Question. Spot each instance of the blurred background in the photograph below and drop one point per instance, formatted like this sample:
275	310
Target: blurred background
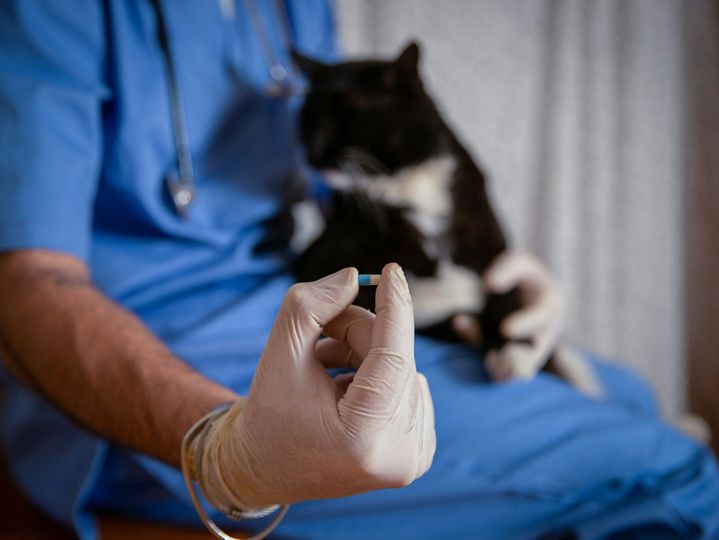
598	124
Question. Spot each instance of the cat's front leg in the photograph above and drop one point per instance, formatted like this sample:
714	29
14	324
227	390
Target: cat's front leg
506	358
512	351
477	241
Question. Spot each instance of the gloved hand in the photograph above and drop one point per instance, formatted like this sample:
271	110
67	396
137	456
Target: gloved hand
541	318
301	434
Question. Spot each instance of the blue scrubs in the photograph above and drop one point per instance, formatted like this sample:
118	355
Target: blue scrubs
85	142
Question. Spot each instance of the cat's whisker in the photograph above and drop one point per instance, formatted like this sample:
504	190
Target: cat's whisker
365	160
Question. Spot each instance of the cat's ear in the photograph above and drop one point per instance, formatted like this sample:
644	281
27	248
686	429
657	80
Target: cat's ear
308	66
408	60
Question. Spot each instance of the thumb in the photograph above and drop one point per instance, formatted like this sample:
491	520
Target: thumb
306	309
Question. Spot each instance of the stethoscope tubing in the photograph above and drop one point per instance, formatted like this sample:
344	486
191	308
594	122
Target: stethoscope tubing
182	185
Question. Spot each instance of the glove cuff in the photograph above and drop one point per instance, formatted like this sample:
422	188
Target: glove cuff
200	465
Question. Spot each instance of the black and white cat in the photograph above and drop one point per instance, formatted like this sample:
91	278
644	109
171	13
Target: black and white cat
404	189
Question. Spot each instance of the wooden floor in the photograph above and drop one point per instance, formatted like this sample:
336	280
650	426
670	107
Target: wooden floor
20	521
117	529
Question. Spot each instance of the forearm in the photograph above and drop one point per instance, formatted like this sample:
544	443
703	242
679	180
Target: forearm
95	360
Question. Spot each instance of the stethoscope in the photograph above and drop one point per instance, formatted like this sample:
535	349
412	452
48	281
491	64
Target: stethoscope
285	83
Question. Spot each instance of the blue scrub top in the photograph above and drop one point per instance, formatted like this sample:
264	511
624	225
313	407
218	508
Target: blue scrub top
85	144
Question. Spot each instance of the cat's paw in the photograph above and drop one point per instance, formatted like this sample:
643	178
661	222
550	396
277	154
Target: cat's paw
513	361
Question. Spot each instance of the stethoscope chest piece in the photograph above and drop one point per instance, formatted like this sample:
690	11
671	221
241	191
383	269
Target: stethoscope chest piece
182	194
180	185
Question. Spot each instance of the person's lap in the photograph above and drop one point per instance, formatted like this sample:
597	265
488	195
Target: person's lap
523	459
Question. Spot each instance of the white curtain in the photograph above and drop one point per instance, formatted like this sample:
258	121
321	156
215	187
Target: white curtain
575	108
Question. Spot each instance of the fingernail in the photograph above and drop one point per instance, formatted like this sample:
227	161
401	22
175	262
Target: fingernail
393	268
346	275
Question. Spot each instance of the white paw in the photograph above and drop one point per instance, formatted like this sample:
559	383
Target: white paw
513	361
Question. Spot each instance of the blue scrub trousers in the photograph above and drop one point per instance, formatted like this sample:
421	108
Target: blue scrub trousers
520	460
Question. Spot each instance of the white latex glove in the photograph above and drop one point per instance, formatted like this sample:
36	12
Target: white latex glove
303	435
540	319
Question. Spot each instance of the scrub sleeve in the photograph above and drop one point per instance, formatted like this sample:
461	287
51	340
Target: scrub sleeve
51	96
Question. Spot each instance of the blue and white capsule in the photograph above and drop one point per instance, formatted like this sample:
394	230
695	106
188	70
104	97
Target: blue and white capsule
366	280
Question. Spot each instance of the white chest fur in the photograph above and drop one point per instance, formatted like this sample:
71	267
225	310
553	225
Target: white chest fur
455	289
425	191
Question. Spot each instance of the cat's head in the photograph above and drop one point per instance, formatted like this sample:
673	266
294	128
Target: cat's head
373	115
